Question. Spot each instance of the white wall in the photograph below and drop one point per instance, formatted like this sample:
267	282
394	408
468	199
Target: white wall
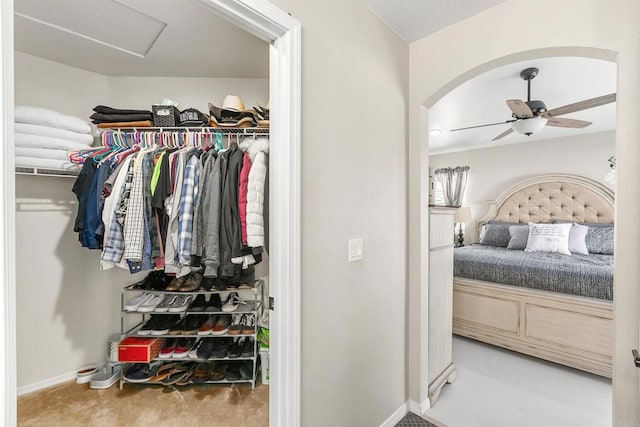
493	170
451	56
66	306
354	88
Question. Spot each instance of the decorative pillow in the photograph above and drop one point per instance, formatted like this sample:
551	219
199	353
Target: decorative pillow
549	238
578	239
519	236
497	234
599	240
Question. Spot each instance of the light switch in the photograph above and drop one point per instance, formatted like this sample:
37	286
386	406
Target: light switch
355	250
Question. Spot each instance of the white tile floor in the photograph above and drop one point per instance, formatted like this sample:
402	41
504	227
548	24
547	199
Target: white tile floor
501	388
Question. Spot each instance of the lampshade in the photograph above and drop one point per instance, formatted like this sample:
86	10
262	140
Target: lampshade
463	215
529	126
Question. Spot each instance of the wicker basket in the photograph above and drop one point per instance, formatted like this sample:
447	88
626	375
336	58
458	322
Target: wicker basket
165	115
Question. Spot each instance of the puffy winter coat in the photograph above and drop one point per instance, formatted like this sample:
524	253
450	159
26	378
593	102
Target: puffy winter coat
255	195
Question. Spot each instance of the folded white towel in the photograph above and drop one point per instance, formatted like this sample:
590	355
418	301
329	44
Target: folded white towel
42	153
83	138
36	141
47	117
34	162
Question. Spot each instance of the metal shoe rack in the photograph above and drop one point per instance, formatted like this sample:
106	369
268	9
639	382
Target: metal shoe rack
253	307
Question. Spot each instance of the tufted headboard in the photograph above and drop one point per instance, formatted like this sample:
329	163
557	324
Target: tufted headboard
546	198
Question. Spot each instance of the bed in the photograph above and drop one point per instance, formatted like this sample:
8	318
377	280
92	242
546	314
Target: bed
555	307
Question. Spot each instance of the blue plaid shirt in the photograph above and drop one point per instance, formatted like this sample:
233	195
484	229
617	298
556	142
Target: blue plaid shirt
188	201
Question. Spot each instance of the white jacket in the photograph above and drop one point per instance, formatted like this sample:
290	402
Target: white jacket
257	150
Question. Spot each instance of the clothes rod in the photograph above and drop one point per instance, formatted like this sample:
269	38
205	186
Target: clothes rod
204	129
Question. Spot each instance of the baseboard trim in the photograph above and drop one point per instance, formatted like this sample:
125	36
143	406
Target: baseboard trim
46	383
396	416
418	408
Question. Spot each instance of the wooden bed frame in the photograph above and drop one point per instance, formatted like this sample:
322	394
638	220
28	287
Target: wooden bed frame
567	329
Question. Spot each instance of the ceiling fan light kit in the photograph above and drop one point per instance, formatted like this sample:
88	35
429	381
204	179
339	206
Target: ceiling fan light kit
529	126
531	116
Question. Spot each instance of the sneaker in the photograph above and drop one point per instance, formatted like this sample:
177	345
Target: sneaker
150	303
236	324
198	304
193	323
249	325
217	371
193	353
169	300
178	328
183	347
141	372
232	302
135	302
149	326
164	323
247	348
246	370
168	348
220	347
181	303
206	346
233	371
214	305
235	349
222	325
207	326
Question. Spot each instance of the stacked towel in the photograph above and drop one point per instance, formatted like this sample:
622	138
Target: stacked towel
43	138
108	117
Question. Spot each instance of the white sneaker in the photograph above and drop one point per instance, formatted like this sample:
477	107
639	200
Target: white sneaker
135	302
232	302
150	303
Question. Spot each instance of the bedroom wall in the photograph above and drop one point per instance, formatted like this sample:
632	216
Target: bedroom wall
443	60
493	170
66	306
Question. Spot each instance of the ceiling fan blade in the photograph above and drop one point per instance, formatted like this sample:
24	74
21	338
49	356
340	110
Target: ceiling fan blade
519	108
561	122
482	126
582	105
503	134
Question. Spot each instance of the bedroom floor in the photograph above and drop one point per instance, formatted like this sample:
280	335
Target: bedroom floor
500	388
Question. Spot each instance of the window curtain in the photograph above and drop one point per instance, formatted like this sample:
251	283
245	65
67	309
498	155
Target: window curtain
453	182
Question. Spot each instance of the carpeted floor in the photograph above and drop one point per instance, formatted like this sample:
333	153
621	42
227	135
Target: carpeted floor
412	420
72	404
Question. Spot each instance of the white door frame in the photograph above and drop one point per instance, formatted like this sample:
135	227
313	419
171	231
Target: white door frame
271	24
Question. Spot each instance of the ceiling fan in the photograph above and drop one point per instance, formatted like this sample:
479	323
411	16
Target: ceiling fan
531	116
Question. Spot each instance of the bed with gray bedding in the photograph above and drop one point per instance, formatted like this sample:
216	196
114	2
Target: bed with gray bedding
583	275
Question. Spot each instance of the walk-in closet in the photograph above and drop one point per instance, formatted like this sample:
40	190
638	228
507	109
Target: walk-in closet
142	227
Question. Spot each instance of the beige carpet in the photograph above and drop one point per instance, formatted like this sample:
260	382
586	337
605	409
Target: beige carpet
72	404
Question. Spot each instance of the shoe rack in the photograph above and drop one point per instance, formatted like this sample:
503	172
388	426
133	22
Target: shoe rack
253	307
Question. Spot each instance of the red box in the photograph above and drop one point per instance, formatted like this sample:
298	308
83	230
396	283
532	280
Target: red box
141	350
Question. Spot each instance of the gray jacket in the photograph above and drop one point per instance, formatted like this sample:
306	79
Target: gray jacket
209	240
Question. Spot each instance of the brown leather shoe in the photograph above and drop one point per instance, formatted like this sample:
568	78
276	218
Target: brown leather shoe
176	283
192	283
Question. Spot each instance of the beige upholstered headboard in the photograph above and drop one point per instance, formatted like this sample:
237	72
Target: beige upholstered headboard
546	198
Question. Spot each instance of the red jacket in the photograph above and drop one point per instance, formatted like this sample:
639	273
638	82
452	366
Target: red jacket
242	196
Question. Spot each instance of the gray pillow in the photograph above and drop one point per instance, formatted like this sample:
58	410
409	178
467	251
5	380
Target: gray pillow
497	234
578	239
600	240
519	237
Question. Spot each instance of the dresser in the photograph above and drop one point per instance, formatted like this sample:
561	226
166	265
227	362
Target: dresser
441	369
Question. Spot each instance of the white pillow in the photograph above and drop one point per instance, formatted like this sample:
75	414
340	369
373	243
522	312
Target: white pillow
549	238
578	239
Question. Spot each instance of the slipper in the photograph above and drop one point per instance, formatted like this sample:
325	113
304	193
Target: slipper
180	372
187	379
163	372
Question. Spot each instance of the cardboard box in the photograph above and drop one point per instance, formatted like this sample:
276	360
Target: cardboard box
137	349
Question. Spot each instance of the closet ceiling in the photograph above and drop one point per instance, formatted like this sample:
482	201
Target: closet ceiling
481	100
415	19
139	38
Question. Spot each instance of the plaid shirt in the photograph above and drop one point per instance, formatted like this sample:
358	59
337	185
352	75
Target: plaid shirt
113	246
134	219
188	200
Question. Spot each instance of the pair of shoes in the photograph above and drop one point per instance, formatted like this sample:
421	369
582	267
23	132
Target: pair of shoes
215	325
241	347
248	278
176	283
134	303
214	348
232	302
141	372
156	280
201	305
233	371
151	303
246	370
192	283
213	284
177	348
159	324
242	324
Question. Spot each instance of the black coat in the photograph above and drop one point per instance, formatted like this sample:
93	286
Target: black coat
230	238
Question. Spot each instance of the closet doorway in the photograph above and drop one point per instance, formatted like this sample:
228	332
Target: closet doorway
282	32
